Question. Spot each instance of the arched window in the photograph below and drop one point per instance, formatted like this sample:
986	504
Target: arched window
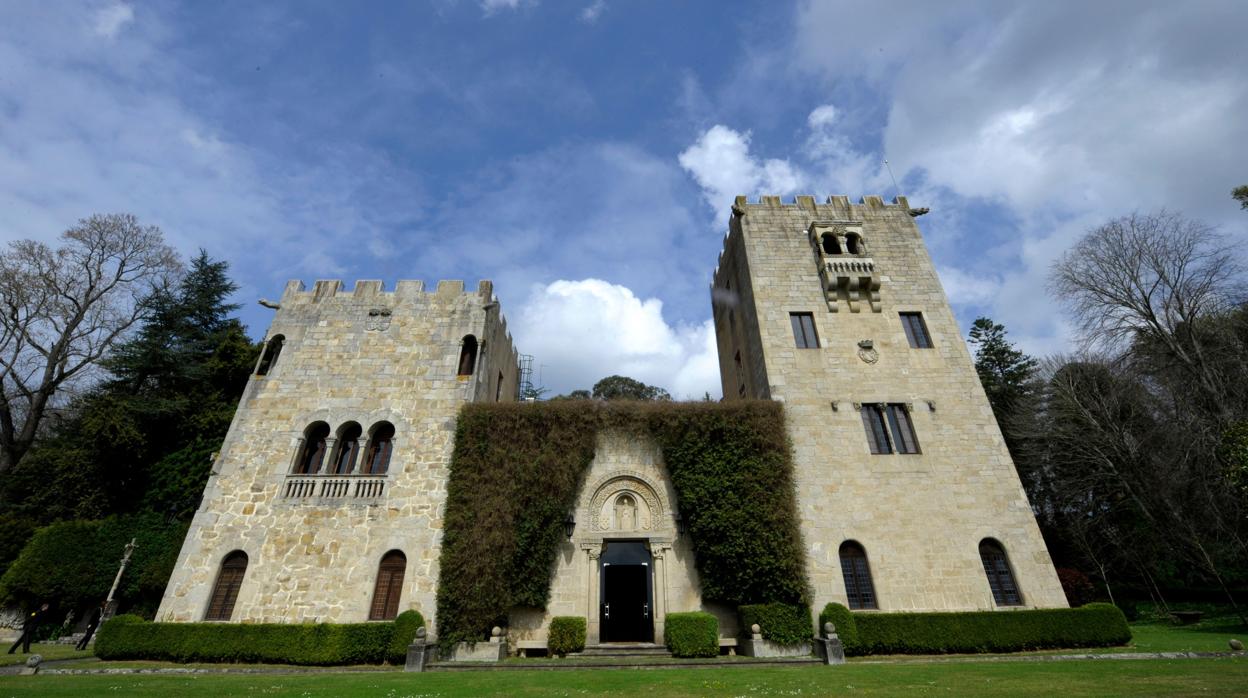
389	586
1000	578
312	451
468	356
830	244
272	350
347	450
225	591
853	244
857	573
380	443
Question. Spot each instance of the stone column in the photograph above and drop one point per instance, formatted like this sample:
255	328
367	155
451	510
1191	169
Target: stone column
660	590
592	630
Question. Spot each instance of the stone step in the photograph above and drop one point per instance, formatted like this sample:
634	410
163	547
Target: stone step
624	649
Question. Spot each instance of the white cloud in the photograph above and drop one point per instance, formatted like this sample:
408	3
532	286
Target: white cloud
821	117
582	331
593	11
1061	126
110	20
492	6
721	163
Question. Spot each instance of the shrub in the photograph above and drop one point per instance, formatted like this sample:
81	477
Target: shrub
693	634
846	627
320	644
1079	589
405	627
567	634
1094	625
781	623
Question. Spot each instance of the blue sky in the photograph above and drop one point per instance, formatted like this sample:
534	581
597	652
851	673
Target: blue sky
583	154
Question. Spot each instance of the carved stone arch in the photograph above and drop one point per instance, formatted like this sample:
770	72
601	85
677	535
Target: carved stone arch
609	489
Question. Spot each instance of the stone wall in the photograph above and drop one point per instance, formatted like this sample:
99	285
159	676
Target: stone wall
920	517
314	542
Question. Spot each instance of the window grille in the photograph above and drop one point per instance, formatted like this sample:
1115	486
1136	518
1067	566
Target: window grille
1000	578
858	587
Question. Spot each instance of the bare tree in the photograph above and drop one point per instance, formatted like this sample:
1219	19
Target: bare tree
61	310
1152	277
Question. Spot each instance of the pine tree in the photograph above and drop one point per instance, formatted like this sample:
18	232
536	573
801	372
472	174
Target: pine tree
1008	375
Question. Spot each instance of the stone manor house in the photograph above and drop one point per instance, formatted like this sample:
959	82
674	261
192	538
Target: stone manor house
326	500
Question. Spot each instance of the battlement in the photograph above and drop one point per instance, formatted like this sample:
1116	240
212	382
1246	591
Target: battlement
833	209
809	202
368	289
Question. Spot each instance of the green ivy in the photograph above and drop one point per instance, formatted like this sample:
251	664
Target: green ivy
517	469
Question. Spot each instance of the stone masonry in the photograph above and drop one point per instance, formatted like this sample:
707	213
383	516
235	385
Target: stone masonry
314	541
920	517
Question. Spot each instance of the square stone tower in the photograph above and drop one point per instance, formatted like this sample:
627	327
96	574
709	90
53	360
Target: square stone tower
907	495
326	500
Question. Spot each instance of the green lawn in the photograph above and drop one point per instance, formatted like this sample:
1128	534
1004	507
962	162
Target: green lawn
1069	679
1156	632
46	651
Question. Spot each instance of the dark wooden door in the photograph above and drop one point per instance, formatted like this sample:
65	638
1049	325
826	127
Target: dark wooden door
627	610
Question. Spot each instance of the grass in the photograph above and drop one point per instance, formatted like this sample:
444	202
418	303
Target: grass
1155	631
1068	679
45	650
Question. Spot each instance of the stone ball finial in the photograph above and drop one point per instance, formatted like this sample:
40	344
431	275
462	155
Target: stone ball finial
496	631
34	660
1236	645
755	629
829	628
421	632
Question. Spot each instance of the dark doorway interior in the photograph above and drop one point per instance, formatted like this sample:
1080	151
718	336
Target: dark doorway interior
627	599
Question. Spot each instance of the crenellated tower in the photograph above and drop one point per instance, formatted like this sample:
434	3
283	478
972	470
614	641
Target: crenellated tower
325	502
908	497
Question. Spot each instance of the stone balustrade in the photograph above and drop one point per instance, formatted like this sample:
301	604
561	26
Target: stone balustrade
333	487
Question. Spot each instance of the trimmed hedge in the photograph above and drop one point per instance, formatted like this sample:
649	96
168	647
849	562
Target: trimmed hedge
781	623
517	469
567	634
405	627
846	626
1094	625
320	644
693	634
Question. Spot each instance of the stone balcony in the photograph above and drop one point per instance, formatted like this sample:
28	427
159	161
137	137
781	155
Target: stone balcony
333	488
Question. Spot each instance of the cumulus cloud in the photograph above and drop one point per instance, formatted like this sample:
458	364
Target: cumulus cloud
721	163
583	331
1030	129
111	19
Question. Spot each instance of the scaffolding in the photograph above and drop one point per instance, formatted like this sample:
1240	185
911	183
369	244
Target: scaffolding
526	378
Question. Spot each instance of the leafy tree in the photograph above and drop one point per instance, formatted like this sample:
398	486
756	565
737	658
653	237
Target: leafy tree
1241	195
625	388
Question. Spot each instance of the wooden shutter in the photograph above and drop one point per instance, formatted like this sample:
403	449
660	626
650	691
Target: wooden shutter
225	591
389	587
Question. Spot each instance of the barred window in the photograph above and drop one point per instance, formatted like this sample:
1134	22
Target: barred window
225	591
889	428
804	330
858	587
1000	578
916	331
389	586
